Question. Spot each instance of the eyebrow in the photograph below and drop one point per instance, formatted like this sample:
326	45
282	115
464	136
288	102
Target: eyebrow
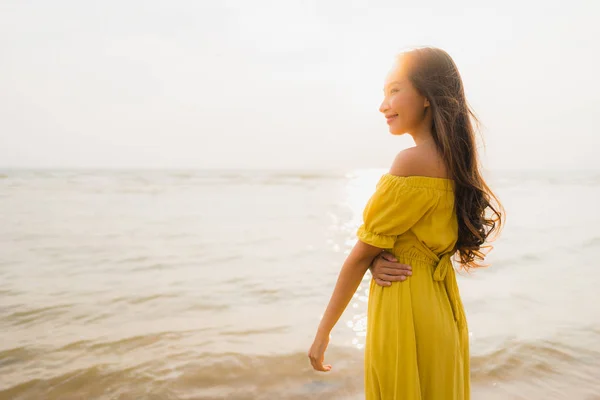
392	83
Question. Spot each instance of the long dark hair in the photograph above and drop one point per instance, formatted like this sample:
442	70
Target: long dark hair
434	74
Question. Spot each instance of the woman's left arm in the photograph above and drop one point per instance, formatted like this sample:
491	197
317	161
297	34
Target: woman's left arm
350	276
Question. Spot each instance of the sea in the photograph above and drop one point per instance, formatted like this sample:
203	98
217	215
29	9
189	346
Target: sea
210	284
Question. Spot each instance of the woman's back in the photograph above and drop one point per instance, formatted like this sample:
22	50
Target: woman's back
437	228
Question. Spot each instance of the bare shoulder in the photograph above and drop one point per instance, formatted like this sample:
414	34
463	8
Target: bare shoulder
418	161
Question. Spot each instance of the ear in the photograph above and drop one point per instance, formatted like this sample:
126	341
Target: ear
426	103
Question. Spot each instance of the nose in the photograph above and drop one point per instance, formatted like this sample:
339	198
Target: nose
383	107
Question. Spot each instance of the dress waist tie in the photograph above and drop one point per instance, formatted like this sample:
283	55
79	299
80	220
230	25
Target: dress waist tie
444	272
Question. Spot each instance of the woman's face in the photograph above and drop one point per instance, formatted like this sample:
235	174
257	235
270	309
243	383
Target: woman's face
403	107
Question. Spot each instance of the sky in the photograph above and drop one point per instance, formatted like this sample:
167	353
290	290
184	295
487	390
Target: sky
286	84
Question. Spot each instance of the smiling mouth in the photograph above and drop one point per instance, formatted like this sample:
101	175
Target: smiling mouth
390	118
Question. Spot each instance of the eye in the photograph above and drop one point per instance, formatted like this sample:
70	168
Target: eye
393	90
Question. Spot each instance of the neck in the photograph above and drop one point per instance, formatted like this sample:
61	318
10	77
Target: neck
422	133
422	136
423	139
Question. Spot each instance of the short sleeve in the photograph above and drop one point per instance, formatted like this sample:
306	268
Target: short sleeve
392	210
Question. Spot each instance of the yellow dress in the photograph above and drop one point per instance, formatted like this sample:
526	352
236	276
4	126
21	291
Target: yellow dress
417	343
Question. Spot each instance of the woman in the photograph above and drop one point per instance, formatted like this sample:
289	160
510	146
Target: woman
431	204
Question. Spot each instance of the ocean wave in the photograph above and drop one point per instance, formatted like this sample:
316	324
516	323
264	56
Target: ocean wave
37	315
187	374
532	359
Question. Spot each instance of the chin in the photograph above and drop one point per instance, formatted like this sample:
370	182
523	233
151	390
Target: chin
397	132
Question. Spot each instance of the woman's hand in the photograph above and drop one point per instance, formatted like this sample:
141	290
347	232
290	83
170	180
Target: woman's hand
316	354
386	270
